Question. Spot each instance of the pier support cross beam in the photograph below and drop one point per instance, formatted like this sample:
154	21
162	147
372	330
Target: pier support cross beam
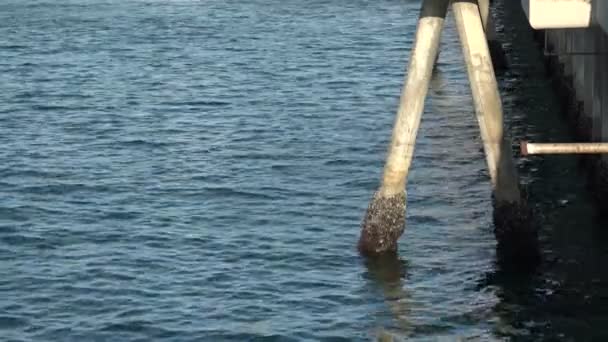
514	232
384	220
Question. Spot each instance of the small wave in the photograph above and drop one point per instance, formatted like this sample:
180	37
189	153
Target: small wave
144	143
62	189
28	95
144	328
13	47
230	192
26	240
121	215
11	172
11	214
12	322
342	162
197	103
425	220
7	229
48	108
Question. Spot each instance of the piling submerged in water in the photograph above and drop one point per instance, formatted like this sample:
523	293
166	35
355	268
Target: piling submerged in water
514	231
384	220
383	224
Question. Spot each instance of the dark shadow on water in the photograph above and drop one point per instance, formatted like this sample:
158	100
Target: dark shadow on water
386	270
565	297
516	291
516	231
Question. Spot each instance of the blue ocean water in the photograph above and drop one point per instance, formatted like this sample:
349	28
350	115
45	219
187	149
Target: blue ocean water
185	170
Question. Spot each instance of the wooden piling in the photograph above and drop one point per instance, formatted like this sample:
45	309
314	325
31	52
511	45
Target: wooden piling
488	106
385	217
511	215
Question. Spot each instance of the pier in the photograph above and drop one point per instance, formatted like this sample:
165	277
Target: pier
572	35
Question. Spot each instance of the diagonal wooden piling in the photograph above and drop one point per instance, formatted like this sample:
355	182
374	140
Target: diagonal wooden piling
385	217
488	106
511	216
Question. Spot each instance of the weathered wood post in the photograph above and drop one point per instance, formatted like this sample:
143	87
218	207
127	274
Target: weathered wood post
499	59
385	217
514	233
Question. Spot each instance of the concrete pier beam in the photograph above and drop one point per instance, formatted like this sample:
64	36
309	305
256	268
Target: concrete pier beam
516	236
384	220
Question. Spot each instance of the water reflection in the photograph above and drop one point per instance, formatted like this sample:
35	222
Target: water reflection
386	274
516	292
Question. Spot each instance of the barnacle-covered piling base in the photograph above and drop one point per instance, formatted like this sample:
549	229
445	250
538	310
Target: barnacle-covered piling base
383	224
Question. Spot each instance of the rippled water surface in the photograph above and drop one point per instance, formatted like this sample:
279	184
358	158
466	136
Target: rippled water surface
197	170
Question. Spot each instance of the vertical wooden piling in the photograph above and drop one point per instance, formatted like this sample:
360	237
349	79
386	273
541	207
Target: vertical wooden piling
385	217
511	216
